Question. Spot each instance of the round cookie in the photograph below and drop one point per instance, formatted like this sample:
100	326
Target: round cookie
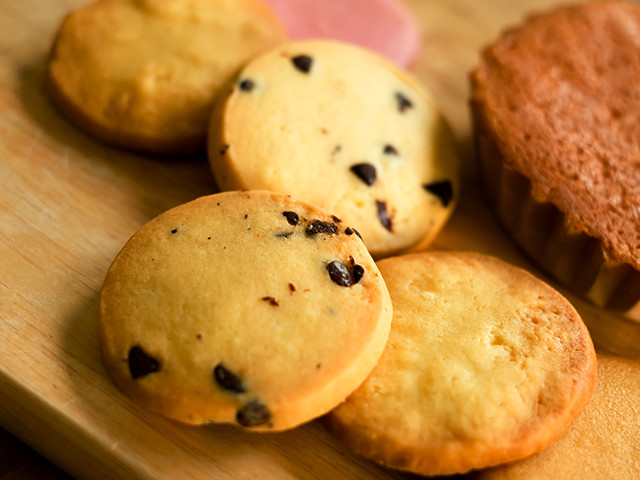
341	127
485	364
243	307
141	74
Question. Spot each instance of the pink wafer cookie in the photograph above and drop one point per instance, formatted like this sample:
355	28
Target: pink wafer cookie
385	26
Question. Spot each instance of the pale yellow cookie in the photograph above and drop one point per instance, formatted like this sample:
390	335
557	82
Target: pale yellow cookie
602	443
243	307
485	364
343	128
142	74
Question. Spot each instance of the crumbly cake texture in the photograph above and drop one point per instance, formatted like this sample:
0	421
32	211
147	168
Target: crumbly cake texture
141	74
601	443
485	364
555	116
341	127
249	308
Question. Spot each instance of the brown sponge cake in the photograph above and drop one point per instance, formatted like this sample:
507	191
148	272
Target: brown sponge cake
555	109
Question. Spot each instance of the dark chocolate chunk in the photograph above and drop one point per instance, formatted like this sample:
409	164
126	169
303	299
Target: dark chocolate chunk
228	380
341	274
365	172
253	414
403	102
357	272
383	214
302	63
443	190
141	363
271	300
292	217
390	150
247	85
318	226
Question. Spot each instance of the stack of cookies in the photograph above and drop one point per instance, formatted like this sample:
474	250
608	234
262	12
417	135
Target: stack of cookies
303	289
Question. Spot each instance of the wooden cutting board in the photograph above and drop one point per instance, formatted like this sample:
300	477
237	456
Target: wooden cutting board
68	204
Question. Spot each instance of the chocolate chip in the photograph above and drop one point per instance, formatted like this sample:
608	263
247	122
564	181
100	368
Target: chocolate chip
272	301
253	414
283	234
365	172
383	214
341	274
228	380
141	363
390	150
349	231
292	217
318	226
224	149
357	234
403	102
443	190
247	85
302	63
292	287
336	219
358	273
175	230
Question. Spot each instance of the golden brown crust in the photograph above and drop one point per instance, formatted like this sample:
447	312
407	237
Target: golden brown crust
485	364
555	123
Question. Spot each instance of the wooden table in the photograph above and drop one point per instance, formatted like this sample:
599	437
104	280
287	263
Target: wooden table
68	204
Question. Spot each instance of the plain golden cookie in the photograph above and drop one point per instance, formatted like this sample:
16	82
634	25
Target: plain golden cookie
341	127
141	74
485	364
601	443
243	307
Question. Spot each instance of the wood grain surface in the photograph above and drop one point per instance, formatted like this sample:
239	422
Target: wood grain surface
69	203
